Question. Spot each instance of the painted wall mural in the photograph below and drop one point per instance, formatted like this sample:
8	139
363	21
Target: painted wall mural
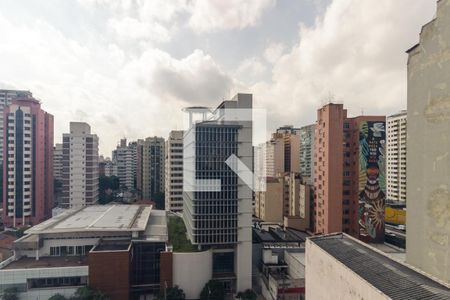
372	181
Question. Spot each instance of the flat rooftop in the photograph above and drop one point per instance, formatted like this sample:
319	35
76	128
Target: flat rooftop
47	262
394	279
97	218
276	234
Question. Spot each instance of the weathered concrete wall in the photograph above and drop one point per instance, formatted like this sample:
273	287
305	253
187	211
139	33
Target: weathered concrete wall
327	278
191	271
428	155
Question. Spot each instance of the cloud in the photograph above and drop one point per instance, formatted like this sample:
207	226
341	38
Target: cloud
117	94
356	51
273	52
215	15
251	70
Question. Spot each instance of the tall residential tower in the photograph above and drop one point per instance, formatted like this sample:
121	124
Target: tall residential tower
174	172
396	157
80	166
153	159
28	163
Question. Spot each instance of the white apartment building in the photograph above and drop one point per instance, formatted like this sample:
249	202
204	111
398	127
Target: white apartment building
80	166
174	172
396	156
57	161
6	97
125	160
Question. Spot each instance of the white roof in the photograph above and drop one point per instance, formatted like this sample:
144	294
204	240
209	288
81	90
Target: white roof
97	218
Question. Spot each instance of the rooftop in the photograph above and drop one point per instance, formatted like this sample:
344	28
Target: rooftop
276	235
97	218
47	262
392	278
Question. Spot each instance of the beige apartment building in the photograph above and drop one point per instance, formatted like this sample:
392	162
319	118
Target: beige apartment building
174	172
286	201
270	203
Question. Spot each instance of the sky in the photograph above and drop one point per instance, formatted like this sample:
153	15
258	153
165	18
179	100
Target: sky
128	67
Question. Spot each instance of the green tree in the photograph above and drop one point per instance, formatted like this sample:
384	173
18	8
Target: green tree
10	294
107	186
58	297
173	293
247	295
213	290
87	293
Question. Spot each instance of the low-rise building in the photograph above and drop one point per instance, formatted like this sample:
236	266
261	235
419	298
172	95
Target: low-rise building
279	262
113	248
339	266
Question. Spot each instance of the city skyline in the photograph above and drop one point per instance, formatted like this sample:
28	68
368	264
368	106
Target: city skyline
196	41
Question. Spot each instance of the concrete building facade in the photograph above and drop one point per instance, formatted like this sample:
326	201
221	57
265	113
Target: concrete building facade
286	200
28	163
349	180
6	97
307	152
80	167
396	156
125	159
328	171
341	267
428	144
57	161
153	160
269	204
174	172
220	220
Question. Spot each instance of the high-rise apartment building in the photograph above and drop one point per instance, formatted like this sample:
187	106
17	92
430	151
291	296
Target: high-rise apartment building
428	144
153	159
328	171
349	180
307	152
28	162
80	166
174	172
125	159
6	97
396	156
217	211
57	161
282	151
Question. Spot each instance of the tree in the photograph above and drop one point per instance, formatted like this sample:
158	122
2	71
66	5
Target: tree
173	293
247	295
213	290
58	297
87	293
10	294
107	185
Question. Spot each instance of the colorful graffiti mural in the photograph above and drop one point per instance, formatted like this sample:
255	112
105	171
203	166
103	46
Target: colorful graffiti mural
372	182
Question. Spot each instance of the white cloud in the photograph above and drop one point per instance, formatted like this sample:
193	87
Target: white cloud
273	52
117	94
355	51
250	70
214	15
131	29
